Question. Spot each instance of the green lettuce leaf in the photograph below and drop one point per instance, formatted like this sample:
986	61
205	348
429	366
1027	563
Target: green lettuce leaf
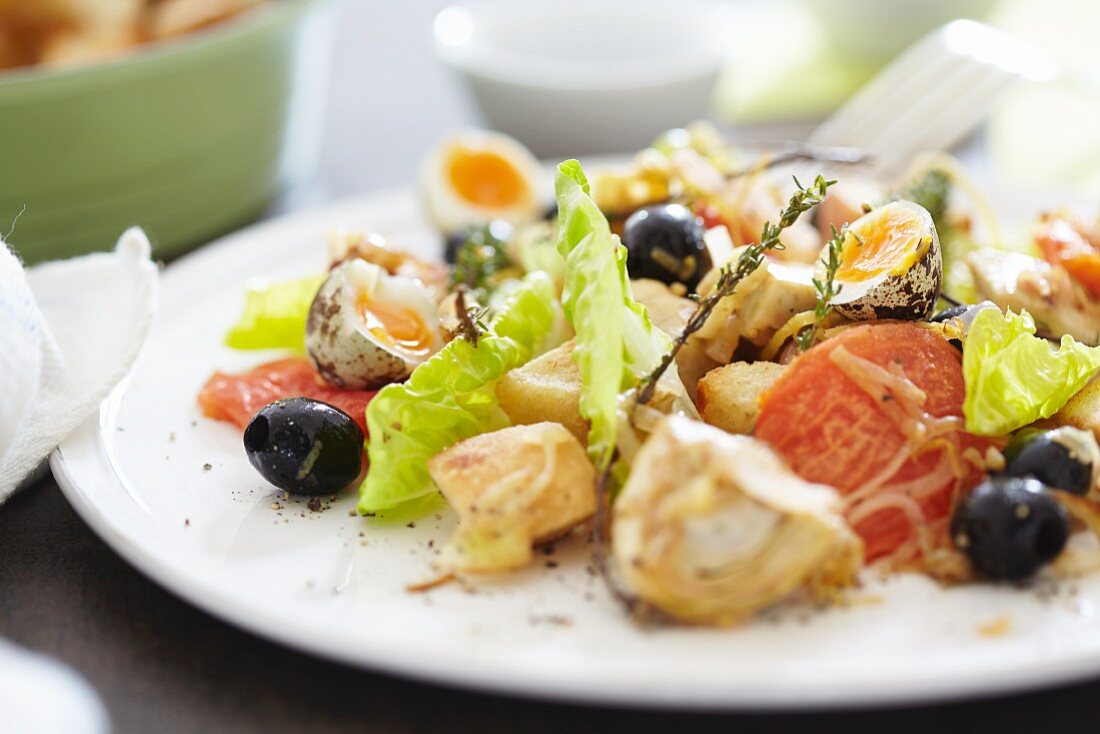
616	342
275	317
535	248
451	397
1014	378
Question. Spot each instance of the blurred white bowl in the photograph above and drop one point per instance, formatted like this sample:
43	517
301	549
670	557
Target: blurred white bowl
582	77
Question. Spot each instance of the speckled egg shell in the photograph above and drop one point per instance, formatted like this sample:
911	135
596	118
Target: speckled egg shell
910	296
344	354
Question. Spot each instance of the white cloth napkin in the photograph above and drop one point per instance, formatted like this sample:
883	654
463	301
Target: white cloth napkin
69	332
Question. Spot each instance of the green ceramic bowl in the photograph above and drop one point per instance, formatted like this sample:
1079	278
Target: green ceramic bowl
187	138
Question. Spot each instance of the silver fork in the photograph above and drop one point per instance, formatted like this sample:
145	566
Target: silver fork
934	94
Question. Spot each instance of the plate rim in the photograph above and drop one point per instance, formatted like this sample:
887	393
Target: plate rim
498	681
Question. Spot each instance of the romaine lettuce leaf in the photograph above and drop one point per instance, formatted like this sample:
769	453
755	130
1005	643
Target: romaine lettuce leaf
1014	378
615	339
535	248
451	397
275	317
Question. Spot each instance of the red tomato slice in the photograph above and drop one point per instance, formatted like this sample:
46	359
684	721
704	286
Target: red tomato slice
709	215
833	432
236	398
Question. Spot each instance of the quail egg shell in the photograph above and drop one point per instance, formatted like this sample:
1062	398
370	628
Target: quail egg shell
479	176
367	328
891	266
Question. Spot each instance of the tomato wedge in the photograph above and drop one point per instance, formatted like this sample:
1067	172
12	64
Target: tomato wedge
1085	269
1063	243
833	431
236	398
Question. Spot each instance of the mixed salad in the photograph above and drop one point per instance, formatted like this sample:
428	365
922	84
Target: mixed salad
748	387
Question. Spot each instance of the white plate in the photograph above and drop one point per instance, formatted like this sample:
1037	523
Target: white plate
327	584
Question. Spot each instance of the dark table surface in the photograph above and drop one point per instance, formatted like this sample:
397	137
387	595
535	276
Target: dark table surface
161	665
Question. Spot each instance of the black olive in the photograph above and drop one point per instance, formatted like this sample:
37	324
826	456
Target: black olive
494	233
304	446
964	312
947	315
551	212
452	243
951	313
1059	458
1010	527
665	242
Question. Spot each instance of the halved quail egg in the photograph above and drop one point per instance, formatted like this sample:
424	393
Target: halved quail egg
891	266
480	176
367	328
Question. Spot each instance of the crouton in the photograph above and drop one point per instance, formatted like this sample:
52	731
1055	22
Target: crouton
1083	410
729	397
548	388
670	313
762	304
512	489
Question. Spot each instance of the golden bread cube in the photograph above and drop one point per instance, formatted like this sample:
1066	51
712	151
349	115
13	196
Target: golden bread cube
729	397
548	388
1083	410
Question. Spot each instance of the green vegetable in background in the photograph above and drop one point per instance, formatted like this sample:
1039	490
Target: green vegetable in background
482	262
932	190
451	397
1014	378
275	316
616	342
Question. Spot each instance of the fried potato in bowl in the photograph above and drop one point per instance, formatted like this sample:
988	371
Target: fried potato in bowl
80	32
183	136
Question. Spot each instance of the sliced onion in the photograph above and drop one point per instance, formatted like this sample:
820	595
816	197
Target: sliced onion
887	501
923	432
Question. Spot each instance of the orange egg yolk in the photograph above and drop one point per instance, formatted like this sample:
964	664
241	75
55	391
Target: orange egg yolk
887	240
396	326
485	179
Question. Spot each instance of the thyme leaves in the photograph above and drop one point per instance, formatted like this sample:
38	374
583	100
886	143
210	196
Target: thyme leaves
732	273
826	288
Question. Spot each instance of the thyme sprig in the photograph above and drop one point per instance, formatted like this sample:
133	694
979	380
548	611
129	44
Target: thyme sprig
826	288
732	273
470	324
